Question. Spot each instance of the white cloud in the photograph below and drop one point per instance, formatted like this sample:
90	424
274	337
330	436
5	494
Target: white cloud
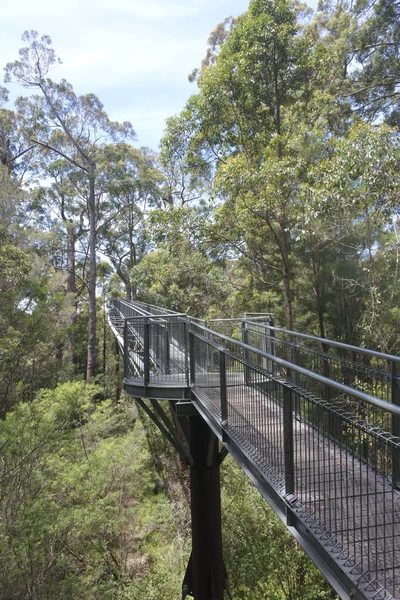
26	10
158	10
150	9
134	54
126	57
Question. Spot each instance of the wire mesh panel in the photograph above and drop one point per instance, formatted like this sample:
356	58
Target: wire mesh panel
205	372
330	454
156	350
134	360
363	369
229	327
343	488
255	416
168	349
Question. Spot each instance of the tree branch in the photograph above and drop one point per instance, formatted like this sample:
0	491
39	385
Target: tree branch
71	160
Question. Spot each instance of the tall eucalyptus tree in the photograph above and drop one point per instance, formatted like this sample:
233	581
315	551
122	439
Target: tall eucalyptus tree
253	87
77	129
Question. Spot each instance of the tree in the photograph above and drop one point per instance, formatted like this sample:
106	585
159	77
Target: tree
180	277
60	210
84	126
251	86
188	173
32	308
376	48
351	206
132	183
16	148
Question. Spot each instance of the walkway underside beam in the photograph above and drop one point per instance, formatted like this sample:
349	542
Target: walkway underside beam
161	420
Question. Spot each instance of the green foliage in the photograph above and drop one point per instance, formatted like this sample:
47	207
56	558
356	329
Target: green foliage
32	309
81	513
183	280
305	194
376	75
264	561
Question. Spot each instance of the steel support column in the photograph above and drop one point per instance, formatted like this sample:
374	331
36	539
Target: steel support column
206	561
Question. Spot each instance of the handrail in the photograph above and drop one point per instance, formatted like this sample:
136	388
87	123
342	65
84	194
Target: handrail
151	316
307	336
392	408
137	302
236	320
129	305
168	313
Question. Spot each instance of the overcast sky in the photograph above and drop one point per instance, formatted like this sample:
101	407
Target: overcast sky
134	54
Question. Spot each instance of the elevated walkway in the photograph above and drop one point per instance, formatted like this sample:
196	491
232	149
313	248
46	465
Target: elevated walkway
314	423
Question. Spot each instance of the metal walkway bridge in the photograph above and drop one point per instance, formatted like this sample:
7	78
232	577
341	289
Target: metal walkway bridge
314	423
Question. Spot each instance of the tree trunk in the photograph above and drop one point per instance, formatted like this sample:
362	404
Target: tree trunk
71	291
117	395
127	283
287	292
320	304
91	354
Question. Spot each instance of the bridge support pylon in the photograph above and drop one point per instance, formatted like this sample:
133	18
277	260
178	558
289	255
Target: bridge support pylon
204	578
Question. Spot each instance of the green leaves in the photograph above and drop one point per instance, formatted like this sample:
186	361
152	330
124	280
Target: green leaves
264	560
79	512
361	173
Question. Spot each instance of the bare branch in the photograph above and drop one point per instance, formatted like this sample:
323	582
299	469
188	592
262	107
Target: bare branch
71	160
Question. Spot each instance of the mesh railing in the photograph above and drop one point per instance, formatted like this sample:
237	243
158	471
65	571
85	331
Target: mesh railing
156	349
332	455
368	371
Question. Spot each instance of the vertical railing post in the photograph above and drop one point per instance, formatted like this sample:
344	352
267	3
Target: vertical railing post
186	346
126	349
245	340
209	359
167	354
146	351
288	439
192	358
223	390
296	360
273	343
395	392
264	348
296	376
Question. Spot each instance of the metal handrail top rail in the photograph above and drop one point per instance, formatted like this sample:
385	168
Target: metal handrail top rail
151	316
238	319
260	314
235	320
137	302
129	305
392	408
169	313
307	336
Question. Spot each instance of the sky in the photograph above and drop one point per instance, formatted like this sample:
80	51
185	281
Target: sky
135	55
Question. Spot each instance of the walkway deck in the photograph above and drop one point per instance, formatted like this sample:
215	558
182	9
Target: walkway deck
353	511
